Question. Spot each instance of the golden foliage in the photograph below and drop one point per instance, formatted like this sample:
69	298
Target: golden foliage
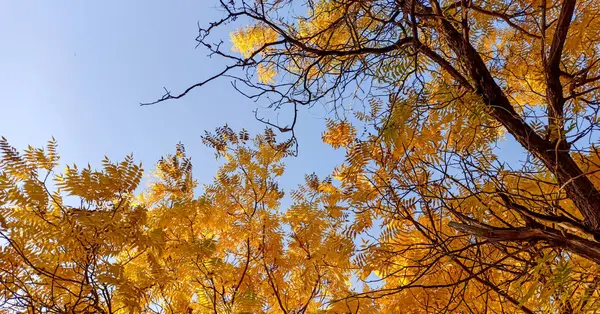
423	216
87	243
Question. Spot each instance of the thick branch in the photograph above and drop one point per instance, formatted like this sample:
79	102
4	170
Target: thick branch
578	186
444	64
554	89
585	248
534	218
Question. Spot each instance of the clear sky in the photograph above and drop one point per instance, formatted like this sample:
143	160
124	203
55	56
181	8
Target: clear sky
77	70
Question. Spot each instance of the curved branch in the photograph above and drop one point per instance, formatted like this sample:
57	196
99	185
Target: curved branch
583	247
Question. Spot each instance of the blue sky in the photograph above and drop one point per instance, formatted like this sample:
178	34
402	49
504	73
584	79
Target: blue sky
77	70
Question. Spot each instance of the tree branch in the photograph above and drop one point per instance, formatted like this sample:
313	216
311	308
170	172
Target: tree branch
554	89
583	247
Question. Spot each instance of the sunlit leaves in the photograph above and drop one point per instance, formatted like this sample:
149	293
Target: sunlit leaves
247	40
62	239
339	134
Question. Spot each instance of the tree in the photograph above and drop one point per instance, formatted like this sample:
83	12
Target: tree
88	244
60	240
440	85
228	250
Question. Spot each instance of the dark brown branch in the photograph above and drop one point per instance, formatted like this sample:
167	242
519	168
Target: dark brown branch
444	64
533	217
583	247
579	188
554	89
